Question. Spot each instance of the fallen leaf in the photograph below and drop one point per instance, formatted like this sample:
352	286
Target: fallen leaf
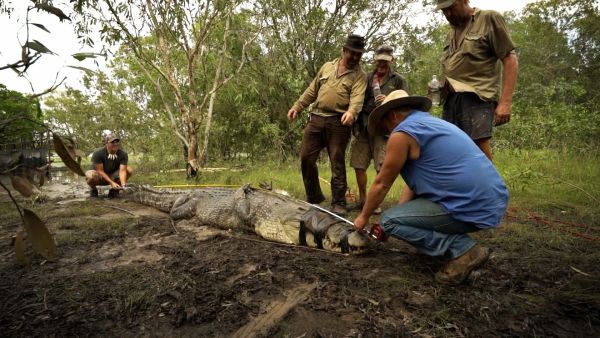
38	234
23	186
20	248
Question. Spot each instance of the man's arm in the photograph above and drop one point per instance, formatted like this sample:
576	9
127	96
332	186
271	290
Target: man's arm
397	150
100	170
509	80
308	97
123	174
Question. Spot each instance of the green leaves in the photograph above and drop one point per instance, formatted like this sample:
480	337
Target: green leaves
40	26
38	47
87	70
83	56
52	10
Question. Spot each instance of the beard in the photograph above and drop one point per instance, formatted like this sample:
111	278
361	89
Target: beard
457	20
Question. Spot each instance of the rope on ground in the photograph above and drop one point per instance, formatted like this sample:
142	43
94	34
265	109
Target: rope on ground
555	225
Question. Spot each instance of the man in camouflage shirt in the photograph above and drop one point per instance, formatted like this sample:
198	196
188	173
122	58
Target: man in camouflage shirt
382	81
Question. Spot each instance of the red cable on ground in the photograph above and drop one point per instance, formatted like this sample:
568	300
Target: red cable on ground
550	222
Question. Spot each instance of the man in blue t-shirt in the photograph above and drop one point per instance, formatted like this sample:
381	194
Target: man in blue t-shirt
109	167
451	187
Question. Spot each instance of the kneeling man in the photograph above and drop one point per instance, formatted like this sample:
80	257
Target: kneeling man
109	167
451	186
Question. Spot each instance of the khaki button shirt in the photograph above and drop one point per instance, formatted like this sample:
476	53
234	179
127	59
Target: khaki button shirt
474	64
335	95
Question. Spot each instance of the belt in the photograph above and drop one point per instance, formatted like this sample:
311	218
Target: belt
324	113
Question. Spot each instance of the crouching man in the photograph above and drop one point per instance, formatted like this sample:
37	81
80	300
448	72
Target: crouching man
109	167
451	187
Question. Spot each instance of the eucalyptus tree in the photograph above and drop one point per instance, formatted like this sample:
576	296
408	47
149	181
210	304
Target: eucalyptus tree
301	35
576	23
186	36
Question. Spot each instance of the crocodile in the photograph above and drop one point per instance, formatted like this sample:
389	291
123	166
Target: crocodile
273	216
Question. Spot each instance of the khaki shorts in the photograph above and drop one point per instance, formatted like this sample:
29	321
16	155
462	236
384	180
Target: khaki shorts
363	151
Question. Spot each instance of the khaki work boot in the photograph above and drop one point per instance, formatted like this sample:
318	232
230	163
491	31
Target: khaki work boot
458	269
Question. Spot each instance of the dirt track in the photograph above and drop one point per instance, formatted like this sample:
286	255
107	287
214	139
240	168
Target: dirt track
124	270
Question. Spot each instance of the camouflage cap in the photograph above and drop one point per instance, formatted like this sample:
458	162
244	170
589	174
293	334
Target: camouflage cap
441	4
110	137
384	52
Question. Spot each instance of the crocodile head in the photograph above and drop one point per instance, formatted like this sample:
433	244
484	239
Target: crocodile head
285	219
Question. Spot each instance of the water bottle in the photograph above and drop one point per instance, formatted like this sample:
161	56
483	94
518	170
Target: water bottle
376	88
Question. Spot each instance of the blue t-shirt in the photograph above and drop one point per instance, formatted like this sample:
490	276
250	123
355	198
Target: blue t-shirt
453	172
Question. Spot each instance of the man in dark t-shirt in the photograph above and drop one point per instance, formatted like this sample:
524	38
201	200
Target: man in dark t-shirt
109	167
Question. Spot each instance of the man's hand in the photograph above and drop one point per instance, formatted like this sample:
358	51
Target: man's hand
360	222
502	114
347	119
115	185
379	99
292	114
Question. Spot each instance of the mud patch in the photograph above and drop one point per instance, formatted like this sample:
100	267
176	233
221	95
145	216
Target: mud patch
274	312
137	274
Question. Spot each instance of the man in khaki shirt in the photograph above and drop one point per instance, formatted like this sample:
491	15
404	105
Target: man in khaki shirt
336	94
478	55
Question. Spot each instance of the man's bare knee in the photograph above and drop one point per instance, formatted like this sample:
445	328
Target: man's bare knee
484	145
92	178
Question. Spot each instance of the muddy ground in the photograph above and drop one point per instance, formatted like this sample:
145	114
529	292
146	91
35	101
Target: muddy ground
125	270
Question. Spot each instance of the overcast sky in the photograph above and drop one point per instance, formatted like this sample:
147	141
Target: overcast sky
63	41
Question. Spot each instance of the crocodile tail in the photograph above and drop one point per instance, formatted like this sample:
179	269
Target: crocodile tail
143	194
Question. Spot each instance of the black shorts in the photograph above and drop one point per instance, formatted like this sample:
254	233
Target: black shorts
471	114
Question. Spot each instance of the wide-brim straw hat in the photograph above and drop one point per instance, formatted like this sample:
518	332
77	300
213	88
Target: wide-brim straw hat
396	99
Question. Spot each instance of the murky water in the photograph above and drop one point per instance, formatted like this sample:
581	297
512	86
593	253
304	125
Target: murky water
62	184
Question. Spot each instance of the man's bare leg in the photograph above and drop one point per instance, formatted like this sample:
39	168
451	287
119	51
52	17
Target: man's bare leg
361	181
484	145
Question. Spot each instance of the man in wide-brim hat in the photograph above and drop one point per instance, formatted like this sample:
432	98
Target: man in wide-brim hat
335	97
451	187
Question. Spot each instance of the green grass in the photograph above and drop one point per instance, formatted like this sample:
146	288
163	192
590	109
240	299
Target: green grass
286	176
554	185
541	179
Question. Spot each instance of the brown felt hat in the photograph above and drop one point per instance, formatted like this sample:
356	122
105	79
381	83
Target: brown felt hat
396	99
355	43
